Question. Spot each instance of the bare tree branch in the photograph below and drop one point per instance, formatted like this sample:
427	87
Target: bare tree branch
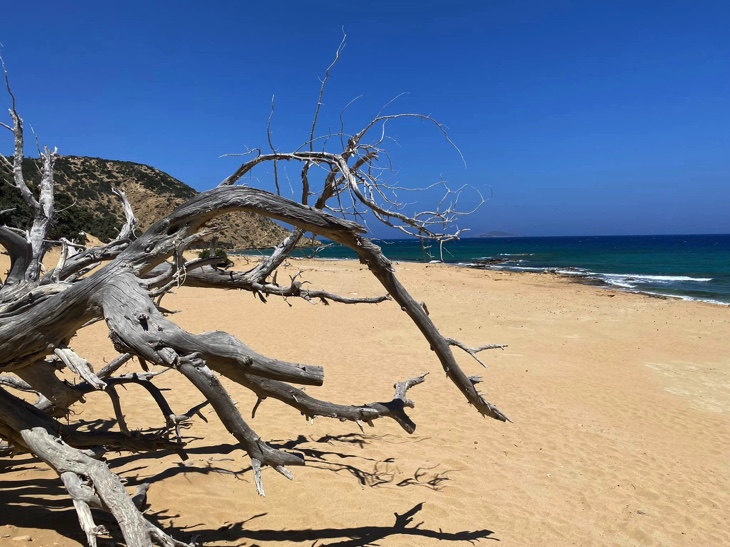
122	283
472	351
130	224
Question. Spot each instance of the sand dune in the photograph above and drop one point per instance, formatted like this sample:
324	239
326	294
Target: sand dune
620	436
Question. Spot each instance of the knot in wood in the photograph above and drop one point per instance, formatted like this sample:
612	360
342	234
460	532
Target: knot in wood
142	318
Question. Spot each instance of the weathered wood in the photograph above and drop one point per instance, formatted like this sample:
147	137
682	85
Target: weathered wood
208	277
138	326
79	366
119	282
16	383
21	255
83	496
25	426
130	222
41	375
209	385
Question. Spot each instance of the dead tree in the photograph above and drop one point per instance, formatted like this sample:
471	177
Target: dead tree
122	283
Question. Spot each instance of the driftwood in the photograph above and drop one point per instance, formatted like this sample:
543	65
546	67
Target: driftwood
122	282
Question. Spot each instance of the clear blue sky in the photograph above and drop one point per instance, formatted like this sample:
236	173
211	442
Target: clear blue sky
583	117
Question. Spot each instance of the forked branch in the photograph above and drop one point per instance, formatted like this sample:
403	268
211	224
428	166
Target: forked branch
119	282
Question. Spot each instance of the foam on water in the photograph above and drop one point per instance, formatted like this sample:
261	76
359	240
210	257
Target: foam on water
655	278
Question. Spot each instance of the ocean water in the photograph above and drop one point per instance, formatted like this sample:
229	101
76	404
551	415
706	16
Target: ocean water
692	267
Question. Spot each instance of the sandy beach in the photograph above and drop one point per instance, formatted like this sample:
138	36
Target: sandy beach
620	404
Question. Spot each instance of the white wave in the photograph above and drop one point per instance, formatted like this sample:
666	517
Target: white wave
684	297
619	283
639	278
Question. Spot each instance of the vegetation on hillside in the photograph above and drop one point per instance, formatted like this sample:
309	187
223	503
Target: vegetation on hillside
85	203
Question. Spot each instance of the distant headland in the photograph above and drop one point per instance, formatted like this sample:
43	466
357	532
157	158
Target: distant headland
496	233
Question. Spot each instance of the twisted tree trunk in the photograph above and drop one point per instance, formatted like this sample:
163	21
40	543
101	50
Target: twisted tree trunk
122	282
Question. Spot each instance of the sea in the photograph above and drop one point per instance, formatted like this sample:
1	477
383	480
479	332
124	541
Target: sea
689	267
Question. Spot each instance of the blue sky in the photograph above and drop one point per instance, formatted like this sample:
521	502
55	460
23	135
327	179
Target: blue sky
580	117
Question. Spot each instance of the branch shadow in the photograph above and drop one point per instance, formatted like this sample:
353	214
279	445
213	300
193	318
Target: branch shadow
333	453
41	503
44	503
367	471
320	453
360	536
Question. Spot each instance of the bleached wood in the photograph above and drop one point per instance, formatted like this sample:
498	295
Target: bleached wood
119	282
34	431
130	223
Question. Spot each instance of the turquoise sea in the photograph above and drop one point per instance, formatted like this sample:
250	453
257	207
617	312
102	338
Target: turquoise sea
692	267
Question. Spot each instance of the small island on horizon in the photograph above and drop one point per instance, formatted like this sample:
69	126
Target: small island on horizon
495	233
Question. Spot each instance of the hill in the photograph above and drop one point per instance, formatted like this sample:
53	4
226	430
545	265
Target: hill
84	201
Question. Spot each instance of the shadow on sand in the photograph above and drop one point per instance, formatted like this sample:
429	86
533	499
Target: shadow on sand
43	503
360	536
40	503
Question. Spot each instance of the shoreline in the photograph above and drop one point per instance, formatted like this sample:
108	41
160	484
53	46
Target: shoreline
582	278
689	267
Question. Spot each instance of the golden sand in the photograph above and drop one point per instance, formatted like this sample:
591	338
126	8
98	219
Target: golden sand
620	405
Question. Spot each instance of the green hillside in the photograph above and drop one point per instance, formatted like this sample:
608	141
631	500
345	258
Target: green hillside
85	203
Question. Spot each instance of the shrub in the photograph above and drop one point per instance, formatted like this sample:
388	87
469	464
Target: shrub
220	253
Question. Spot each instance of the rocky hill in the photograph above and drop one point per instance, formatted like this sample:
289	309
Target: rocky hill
84	201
